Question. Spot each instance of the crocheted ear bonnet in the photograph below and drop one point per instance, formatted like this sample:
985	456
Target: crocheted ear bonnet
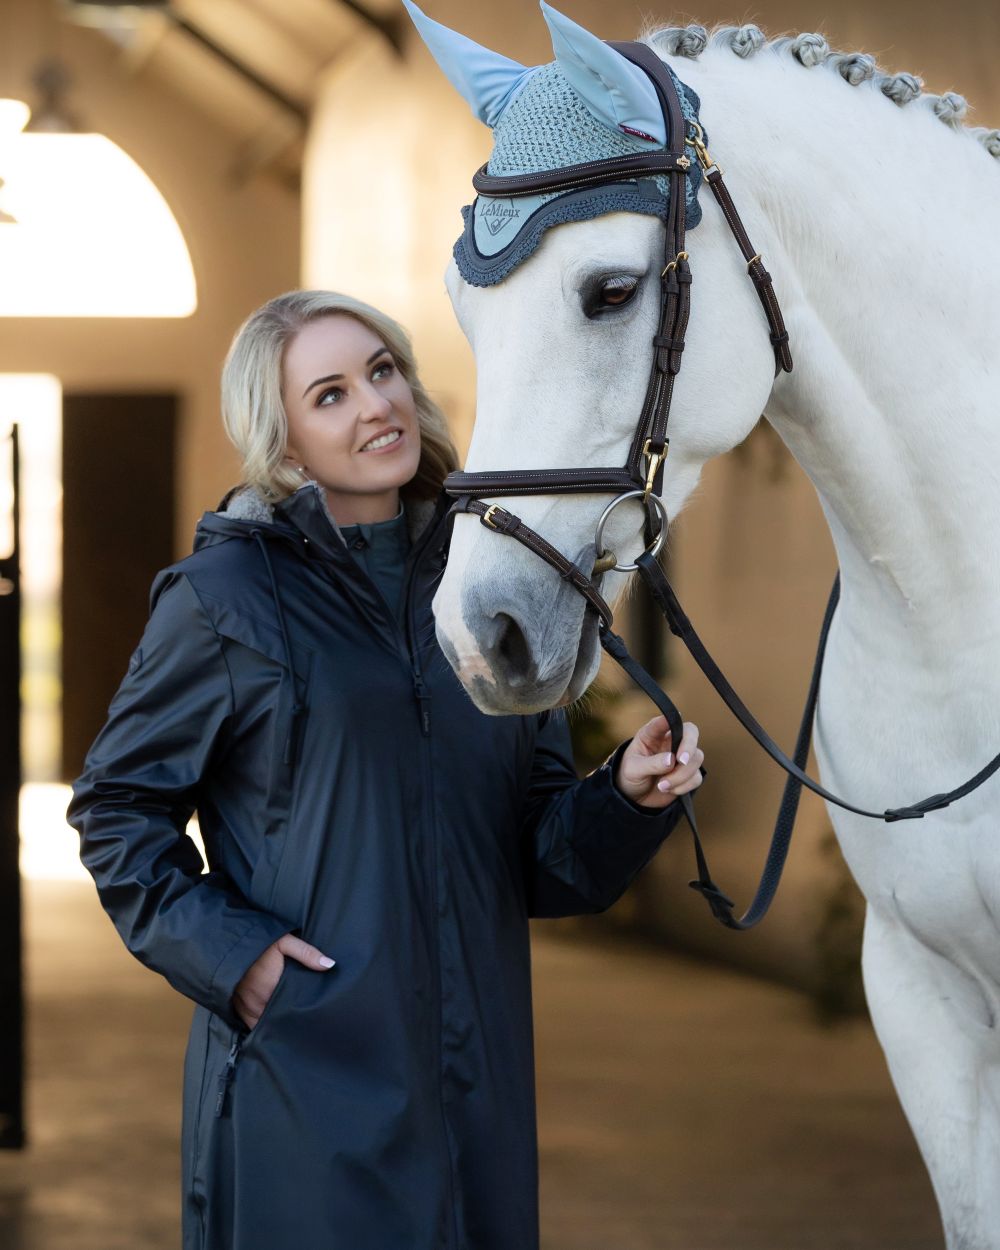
590	103
545	126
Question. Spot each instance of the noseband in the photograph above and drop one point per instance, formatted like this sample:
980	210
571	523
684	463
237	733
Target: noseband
642	479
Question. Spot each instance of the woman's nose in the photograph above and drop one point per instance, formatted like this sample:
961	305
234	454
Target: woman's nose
374	405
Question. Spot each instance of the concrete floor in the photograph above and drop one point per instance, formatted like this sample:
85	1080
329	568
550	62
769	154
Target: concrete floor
681	1107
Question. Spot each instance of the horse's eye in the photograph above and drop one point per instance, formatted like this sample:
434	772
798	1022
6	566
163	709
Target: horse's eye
618	291
609	293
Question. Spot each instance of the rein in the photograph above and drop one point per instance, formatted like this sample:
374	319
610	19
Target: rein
642	478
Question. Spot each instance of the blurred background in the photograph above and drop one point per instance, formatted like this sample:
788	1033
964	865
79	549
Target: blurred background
166	167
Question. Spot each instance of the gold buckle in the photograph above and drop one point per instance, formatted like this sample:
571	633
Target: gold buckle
672	264
698	143
656	458
487	517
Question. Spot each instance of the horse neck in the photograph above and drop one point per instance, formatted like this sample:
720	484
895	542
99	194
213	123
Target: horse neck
878	223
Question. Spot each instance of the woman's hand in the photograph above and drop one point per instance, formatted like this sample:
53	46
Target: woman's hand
649	774
257	984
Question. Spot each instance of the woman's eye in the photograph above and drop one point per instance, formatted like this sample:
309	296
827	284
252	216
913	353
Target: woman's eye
335	391
383	369
609	293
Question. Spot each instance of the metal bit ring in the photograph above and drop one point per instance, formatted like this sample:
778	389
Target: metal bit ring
658	541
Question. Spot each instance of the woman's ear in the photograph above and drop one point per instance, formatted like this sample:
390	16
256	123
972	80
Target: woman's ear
292	458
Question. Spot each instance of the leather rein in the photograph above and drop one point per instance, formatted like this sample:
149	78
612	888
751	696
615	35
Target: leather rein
642	479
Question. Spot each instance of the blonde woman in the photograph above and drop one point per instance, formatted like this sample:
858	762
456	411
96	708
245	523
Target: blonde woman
359	1069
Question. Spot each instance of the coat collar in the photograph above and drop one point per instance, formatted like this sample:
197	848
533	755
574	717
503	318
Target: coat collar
305	509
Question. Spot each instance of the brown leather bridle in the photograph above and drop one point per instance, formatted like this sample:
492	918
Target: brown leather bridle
642	478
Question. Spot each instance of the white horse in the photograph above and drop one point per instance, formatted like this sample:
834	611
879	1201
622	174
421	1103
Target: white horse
881	227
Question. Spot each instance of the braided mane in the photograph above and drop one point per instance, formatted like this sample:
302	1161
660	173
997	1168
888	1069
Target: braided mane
812	50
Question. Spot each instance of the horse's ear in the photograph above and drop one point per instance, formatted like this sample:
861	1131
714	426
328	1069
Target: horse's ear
486	79
617	92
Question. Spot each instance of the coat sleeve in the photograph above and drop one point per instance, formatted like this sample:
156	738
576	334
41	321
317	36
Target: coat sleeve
170	719
584	840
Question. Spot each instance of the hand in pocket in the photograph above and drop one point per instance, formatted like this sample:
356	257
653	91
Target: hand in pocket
257	984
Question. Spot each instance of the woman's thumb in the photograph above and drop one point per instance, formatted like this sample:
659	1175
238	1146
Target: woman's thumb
294	947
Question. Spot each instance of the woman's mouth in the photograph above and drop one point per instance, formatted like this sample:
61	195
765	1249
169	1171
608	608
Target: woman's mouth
389	439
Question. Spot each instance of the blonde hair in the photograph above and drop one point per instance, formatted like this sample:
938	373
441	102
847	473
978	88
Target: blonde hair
253	410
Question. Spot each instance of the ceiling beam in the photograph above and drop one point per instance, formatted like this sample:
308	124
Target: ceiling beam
297	109
390	28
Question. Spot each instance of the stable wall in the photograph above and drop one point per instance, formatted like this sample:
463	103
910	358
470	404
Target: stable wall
389	163
244	243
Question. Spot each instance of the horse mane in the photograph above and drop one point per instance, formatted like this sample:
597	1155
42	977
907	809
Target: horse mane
812	50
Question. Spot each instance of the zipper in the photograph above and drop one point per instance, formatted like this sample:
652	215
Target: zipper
409	614
423	703
436	956
407	635
229	1069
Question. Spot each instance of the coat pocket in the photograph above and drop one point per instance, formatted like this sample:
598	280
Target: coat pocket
272	706
290	711
240	1040
252	1034
281	776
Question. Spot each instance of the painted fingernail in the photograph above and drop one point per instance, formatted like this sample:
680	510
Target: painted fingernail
684	757
326	961
663	785
669	758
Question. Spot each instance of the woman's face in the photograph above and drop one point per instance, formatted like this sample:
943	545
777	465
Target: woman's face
352	422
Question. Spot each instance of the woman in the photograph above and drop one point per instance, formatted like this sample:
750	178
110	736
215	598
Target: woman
359	1069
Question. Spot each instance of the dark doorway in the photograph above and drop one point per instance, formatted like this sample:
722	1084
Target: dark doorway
118	530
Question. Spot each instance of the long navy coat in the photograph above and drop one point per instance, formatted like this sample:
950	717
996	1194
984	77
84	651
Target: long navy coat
350	792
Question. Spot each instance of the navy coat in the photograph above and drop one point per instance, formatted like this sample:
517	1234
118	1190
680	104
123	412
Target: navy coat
349	792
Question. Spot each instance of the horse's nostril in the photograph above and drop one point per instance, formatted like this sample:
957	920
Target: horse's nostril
511	648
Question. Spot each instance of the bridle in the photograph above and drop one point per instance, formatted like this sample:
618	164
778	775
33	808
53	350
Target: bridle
642	477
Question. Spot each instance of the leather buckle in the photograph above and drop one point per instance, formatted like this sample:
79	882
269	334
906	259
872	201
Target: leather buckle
487	517
656	458
672	264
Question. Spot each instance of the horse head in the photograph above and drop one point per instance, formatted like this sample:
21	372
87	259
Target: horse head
559	295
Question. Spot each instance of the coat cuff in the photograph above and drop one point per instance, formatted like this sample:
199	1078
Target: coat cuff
253	942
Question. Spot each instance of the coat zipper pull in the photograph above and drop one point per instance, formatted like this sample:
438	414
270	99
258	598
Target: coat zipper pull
423	704
226	1075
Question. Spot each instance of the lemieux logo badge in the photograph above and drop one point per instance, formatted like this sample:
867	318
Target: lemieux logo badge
499	215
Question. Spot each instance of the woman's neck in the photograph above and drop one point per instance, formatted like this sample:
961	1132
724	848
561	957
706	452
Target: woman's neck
363	509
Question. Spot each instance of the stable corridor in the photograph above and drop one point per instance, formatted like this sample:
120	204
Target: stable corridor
682	1107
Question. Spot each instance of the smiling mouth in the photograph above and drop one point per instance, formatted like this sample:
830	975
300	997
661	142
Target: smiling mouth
383	440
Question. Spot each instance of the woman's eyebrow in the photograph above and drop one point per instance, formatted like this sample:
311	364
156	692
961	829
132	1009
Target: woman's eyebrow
335	377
